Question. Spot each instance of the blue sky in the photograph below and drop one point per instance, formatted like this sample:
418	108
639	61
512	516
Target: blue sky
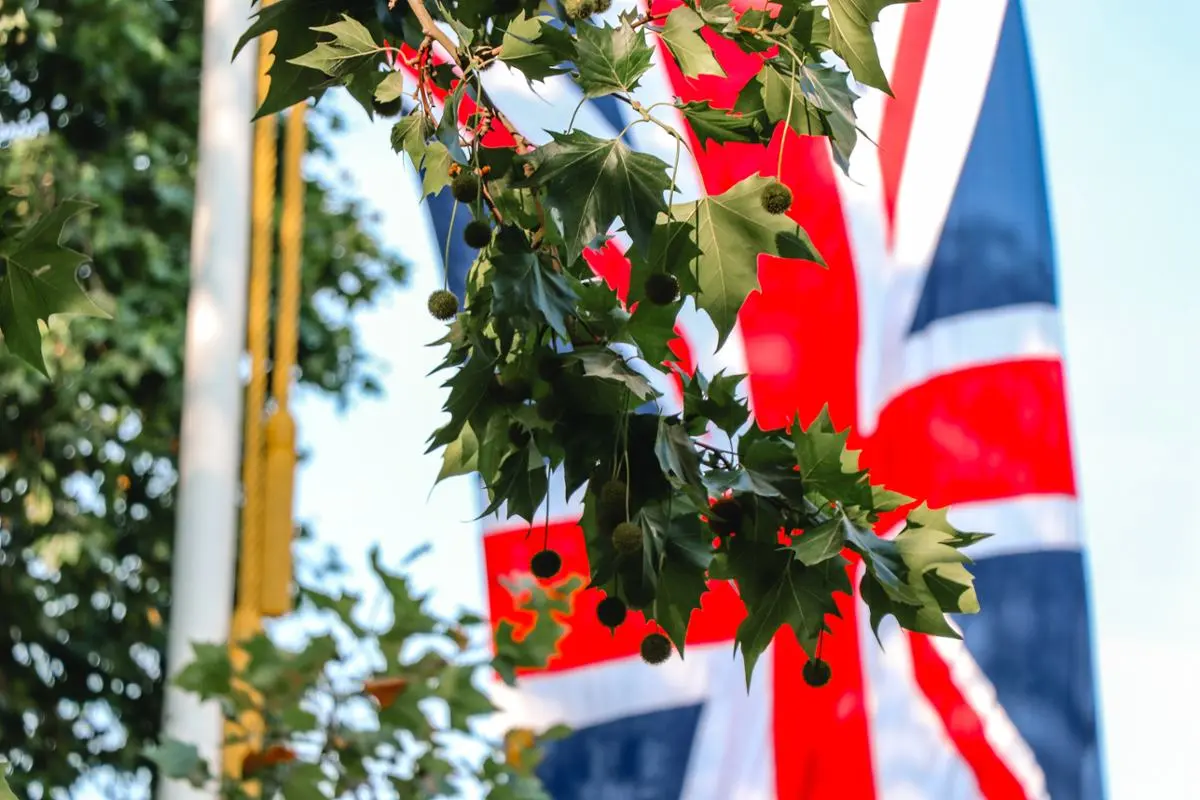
1118	120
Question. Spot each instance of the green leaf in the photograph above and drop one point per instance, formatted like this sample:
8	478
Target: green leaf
819	543
851	38
39	281
610	60
390	88
538	643
673	251
460	456
468	390
682	35
683	577
535	48
5	792
732	230
209	673
179	761
826	465
341	55
600	362
717	124
590	182
524	287
293	22
828	90
784	100
303	782
677	456
652	327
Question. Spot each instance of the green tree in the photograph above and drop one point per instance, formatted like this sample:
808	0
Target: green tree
100	101
536	380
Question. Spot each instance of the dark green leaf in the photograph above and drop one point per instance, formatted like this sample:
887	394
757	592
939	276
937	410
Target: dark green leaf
610	60
717	124
677	455
600	362
819	543
39	282
179	761
351	44
524	287
590	182
536	48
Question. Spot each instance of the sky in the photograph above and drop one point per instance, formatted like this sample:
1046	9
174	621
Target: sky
1117	120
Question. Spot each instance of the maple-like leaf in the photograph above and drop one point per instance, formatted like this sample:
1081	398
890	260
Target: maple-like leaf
610	60
40	280
590	182
850	37
731	231
682	34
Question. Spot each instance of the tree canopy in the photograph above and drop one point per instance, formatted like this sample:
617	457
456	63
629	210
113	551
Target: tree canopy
104	102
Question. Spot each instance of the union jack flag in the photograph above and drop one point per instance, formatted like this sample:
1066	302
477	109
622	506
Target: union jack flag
935	334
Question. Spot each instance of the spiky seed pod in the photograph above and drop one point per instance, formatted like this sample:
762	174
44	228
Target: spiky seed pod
389	108
603	5
656	648
725	517
817	672
579	9
627	538
776	198
549	408
477	234
611	502
465	186
443	305
662	288
545	564
611	611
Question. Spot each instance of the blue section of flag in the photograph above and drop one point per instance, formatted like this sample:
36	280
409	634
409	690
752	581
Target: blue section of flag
996	247
643	757
1032	641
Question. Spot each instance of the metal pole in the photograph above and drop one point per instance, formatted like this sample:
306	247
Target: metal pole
210	452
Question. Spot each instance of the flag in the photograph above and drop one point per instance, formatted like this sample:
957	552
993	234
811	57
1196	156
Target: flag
935	334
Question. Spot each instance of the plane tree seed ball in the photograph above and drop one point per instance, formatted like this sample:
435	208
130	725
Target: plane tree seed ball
627	538
465	186
656	648
662	288
725	517
477	234
611	611
776	198
443	305
611	506
545	564
817	672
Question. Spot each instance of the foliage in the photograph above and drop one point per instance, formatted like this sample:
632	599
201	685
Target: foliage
105	99
367	707
548	368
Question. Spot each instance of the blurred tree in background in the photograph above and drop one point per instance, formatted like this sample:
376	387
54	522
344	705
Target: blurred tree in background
99	100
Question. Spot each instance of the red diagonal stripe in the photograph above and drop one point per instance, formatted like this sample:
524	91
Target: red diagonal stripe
961	722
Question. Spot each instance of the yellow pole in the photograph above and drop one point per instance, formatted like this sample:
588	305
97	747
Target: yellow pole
276	597
246	615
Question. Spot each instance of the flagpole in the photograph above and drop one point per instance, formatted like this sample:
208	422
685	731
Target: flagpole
210	454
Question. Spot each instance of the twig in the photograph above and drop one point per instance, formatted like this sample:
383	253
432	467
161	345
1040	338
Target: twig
429	27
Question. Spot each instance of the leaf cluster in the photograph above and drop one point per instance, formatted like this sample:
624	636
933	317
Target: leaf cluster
367	701
551	370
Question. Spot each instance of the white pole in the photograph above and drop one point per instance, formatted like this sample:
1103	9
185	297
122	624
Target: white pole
209	450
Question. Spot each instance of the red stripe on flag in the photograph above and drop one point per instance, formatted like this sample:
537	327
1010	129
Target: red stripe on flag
586	642
911	55
983	433
962	723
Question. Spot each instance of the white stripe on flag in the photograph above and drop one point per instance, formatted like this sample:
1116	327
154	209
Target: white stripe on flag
732	755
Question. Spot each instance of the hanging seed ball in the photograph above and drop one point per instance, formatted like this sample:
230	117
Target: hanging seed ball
603	5
627	538
579	9
656	648
465	186
725	517
388	108
545	565
477	234
611	611
443	305
776	198
611	505
817	672
662	288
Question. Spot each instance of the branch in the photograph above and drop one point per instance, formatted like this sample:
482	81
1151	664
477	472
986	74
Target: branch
429	27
